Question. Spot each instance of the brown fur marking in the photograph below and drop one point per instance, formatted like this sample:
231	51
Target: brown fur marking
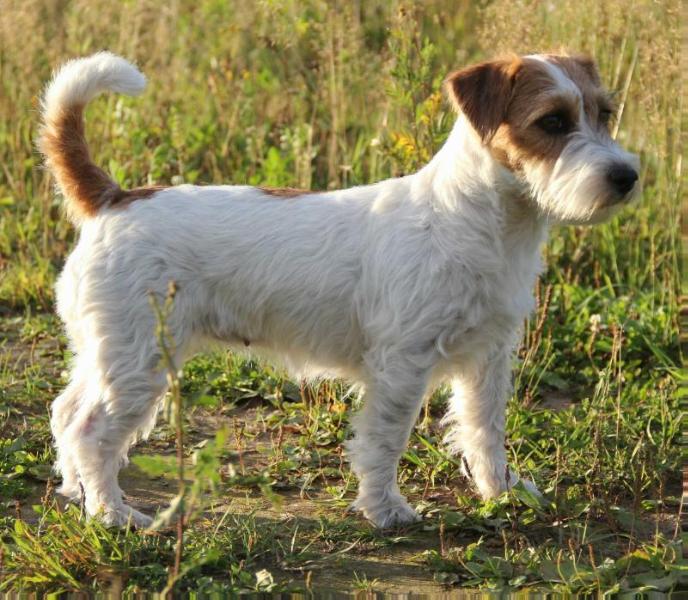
581	69
583	72
518	139
85	186
126	197
483	92
503	98
285	192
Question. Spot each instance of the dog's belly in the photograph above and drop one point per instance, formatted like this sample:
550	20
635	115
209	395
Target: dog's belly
319	339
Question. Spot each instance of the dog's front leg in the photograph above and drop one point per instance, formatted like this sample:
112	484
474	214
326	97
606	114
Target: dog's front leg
392	401
477	415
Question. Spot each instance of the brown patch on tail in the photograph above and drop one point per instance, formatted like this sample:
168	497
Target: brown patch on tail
86	186
285	192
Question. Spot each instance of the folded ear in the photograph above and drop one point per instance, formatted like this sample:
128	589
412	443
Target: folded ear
482	92
589	66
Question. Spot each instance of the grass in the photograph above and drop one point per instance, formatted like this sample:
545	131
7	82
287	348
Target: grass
315	95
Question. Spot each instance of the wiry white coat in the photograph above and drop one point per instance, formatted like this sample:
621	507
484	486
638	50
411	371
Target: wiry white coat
397	286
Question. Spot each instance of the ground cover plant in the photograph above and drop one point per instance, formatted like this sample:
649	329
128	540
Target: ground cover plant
323	95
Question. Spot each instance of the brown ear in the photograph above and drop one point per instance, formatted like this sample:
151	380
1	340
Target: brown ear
482	92
589	66
577	66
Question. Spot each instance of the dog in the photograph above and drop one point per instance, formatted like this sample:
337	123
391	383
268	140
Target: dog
398	286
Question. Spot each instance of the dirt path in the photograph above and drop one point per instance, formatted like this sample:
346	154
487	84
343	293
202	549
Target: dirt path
397	568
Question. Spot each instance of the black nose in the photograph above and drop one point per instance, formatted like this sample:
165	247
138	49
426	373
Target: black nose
622	178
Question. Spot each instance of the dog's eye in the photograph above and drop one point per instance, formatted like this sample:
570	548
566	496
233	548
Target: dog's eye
554	124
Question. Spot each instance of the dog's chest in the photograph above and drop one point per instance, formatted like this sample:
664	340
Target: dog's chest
512	289
493	301
505	298
520	264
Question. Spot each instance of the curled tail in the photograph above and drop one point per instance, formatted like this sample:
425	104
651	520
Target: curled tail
84	185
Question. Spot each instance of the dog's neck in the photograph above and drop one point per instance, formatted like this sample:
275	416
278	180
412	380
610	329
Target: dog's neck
464	173
465	168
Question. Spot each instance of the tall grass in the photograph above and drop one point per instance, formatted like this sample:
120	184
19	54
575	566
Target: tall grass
322	94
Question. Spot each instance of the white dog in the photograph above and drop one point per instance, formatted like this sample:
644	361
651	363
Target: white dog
398	285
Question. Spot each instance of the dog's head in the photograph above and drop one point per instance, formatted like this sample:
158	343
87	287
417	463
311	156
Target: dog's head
546	118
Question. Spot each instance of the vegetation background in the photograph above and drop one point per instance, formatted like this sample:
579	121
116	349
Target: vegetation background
325	94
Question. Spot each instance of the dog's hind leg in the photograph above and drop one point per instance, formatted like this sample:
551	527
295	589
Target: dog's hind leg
113	412
477	418
124	385
392	401
63	412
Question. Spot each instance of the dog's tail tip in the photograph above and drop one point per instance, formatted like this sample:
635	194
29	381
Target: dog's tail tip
78	81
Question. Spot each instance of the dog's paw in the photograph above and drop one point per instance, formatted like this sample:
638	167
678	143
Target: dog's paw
394	512
124	515
393	516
